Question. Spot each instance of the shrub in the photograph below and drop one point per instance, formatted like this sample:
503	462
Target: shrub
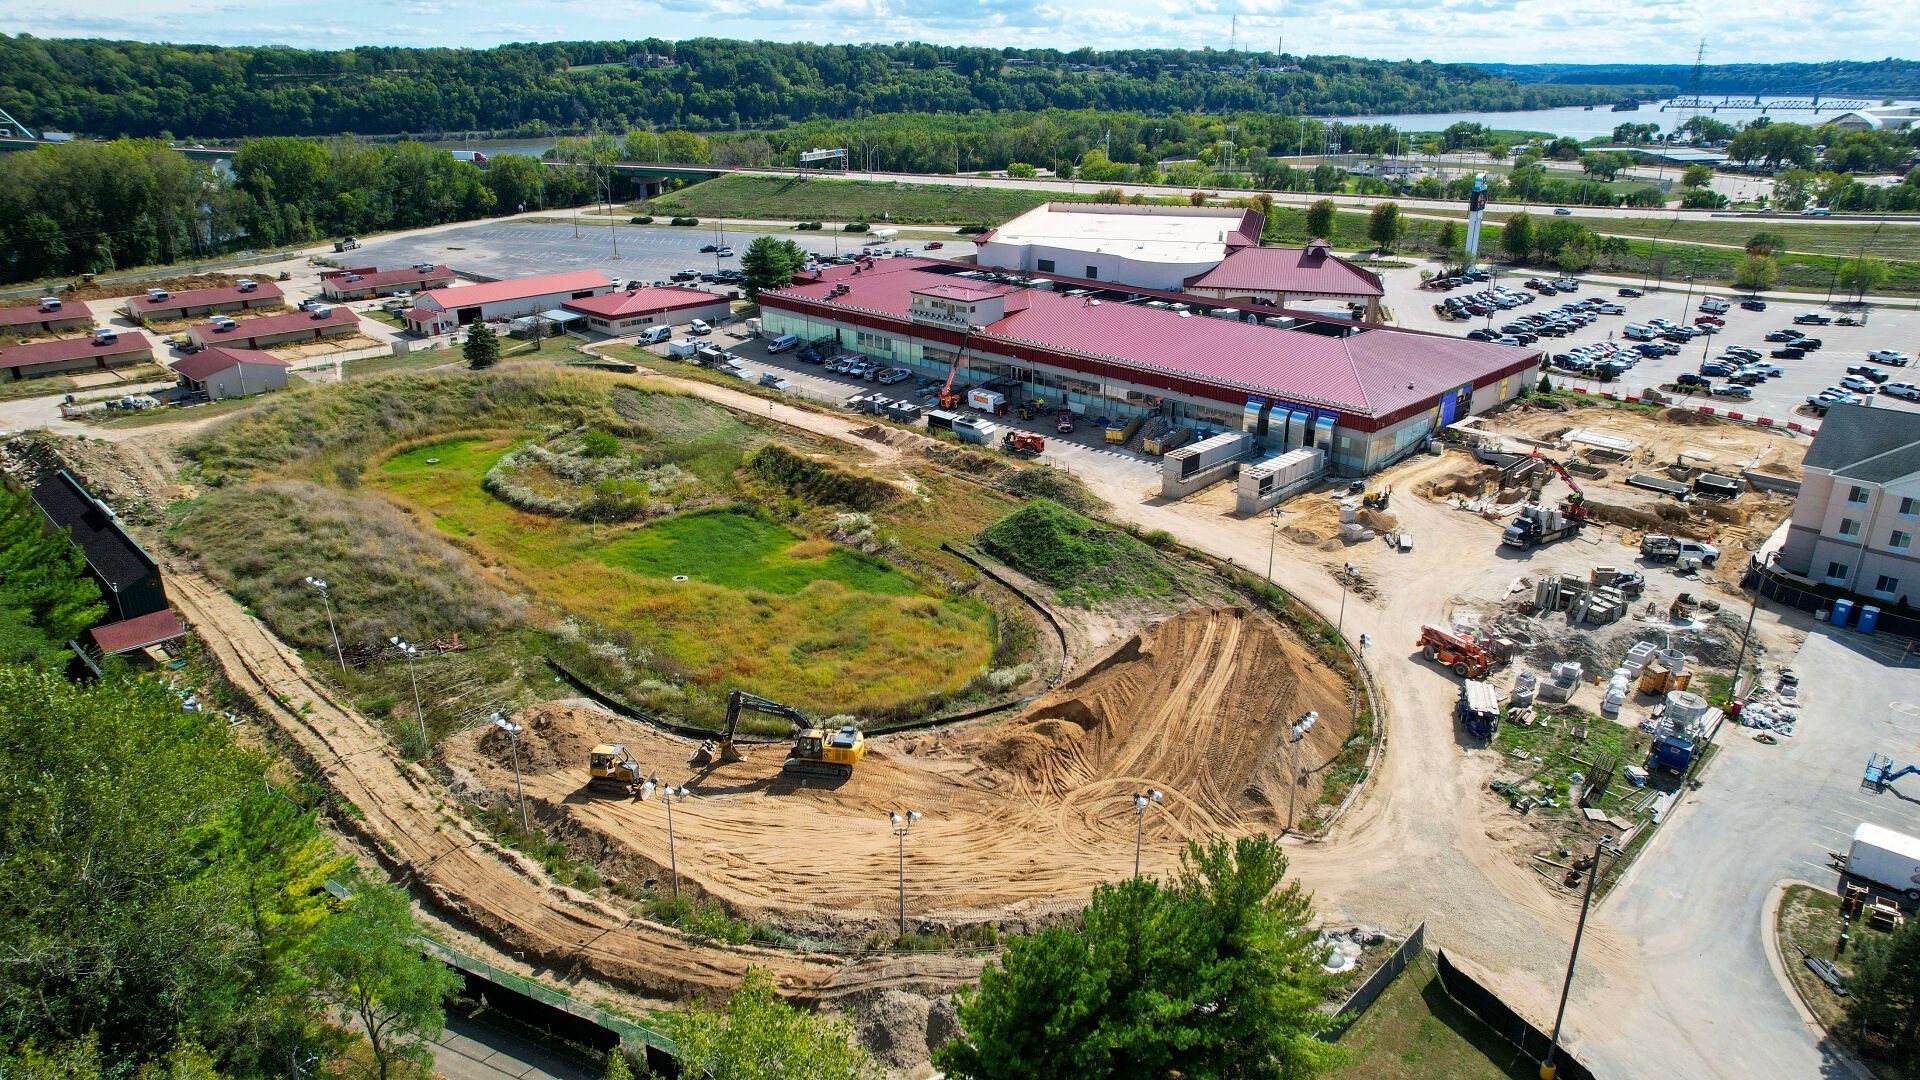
1084	560
595	443
971	230
808	226
644	219
855	226
684	221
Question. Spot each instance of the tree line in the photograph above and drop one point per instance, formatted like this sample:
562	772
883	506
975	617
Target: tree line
118	88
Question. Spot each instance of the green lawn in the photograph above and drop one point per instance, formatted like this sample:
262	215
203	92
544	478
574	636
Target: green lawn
813	199
1414	1031
741	551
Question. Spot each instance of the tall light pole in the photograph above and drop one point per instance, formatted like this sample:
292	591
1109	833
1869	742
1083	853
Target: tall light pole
1140	804
1347	576
326	598
411	652
1299	732
513	731
902	822
1272	536
1760	579
668	795
1547	1067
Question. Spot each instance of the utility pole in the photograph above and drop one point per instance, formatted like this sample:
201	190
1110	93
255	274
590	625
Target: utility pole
1760	579
668	795
513	731
1547	1068
411	652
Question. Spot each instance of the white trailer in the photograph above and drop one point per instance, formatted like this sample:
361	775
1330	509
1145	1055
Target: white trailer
1886	858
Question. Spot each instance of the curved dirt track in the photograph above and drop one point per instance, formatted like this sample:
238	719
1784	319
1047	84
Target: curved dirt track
1021	817
404	814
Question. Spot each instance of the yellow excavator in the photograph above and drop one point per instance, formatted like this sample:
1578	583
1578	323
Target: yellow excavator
1377	500
816	751
612	769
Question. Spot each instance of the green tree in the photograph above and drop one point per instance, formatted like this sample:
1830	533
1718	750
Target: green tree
1603	165
770	263
1861	276
1516	237
1320	219
1884	993
1212	974
1766	243
1448	237
1383	225
46	596
756	1036
1697	176
1756	272
1020	170
617	1067
515	181
367	963
482	349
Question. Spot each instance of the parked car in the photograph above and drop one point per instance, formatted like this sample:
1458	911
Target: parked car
1833	395
1868	371
708	249
1788	352
1063	421
1610	309
698	327
1888	356
1717	367
894	375
1753	304
1785	335
934	245
725	252
1859	384
1812	318
1903	390
1689	380
1734	393
1808	343
1630	292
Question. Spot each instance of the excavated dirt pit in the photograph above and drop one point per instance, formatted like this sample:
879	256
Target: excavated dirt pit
1022	817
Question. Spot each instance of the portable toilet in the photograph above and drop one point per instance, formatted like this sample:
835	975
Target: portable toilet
1842	613
1869	618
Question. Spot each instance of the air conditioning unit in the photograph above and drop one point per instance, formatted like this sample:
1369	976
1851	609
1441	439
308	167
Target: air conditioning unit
105	335
49	303
156	295
321	311
425	268
246	285
353	277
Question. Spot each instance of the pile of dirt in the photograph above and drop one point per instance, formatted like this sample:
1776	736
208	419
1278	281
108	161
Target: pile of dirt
1664	517
893	1027
1378	520
555	736
1471	481
1686	418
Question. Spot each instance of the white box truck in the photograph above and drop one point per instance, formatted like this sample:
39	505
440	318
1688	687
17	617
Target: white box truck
683	350
1886	858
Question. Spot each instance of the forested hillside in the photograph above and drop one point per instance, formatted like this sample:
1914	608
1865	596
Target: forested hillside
106	88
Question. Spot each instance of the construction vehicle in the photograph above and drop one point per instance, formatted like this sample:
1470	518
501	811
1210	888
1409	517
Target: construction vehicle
1467	657
1881	771
1536	526
738	701
612	769
816	752
1377	500
947	398
1024	442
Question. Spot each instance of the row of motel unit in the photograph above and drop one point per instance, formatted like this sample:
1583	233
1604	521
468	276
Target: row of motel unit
364	282
1365	394
65	356
441	311
44	318
159	305
639	307
268	330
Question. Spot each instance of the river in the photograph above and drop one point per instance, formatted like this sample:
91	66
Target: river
1581	123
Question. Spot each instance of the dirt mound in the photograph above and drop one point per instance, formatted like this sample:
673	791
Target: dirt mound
555	736
893	1026
1471	481
1378	520
1302	536
1687	417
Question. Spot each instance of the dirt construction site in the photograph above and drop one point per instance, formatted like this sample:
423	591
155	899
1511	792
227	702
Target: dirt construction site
1022	816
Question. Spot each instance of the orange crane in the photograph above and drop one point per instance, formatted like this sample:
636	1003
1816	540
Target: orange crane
1575	507
948	399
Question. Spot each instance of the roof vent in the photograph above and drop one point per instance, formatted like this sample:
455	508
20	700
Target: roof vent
248	284
1186	314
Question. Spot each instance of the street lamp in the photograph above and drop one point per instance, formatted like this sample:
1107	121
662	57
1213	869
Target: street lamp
1605	846
412	653
1272	536
902	822
1140	804
513	731
326	598
1350	576
1760	580
1299	731
668	795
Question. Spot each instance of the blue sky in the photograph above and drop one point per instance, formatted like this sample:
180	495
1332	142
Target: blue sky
1515	31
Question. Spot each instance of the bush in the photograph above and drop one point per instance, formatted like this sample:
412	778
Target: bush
855	226
1085	560
971	230
684	221
808	226
595	443
644	219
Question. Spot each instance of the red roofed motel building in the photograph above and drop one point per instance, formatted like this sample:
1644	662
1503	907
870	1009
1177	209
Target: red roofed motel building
1366	394
68	355
635	309
38	318
268	330
221	373
440	311
1157	247
162	306
362	282
1291	277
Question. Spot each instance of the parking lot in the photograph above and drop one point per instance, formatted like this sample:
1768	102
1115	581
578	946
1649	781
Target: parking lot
1778	398
507	249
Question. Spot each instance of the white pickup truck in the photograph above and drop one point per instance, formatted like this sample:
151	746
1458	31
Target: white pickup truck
1662	548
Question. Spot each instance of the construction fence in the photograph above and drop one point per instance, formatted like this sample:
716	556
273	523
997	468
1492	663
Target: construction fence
1499	1016
1377	983
1784	590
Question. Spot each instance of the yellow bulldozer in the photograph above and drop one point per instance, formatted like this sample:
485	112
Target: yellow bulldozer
612	769
1377	500
816	751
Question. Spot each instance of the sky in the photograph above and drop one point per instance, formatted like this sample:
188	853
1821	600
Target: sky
1511	31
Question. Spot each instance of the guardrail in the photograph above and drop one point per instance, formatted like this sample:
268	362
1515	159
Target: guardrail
549	1009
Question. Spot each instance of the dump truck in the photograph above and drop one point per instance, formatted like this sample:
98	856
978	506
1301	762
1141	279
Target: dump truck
1886	858
1467	657
612	769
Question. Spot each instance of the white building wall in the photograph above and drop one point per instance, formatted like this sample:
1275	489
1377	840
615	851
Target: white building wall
533	305
1104	266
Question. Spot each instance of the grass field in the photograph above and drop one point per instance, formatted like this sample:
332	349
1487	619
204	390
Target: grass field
1414	1031
811	199
1085	561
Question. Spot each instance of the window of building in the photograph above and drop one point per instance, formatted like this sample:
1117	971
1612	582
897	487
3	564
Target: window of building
1093	273
1045	265
1836	573
1856	496
1849	528
1910	507
1900	541
1886	585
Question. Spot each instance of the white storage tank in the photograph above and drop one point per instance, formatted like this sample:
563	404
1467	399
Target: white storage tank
1685	708
1674	660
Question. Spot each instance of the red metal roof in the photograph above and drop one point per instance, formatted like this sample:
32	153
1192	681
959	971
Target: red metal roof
46	352
265	290
1371	373
31	315
1310	270
966	291
374	279
137	632
494	292
268	325
643	301
210	362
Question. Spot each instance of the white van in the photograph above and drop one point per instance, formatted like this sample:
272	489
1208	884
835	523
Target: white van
654	335
1637	332
783	343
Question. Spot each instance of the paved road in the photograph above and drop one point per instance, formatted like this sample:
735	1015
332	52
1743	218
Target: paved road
1693	902
471	1050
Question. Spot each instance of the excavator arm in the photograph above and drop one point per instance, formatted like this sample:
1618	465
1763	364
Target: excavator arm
739	701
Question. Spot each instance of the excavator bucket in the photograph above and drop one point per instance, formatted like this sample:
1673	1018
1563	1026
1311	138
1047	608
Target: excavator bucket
712	753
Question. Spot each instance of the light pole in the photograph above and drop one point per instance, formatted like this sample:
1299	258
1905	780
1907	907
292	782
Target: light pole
902	822
1140	804
1272	536
408	650
1760	579
1300	729
668	795
1348	576
326	598
513	731
1547	1068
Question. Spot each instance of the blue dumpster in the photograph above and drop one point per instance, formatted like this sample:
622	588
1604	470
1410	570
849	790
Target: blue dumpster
1868	617
1842	612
